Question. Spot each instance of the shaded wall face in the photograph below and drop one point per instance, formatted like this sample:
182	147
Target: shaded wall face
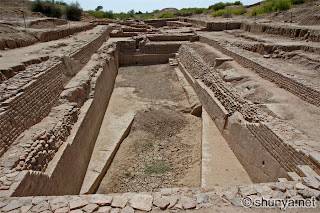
73	157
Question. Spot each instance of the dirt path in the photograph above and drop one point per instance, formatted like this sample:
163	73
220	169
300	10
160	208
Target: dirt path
163	148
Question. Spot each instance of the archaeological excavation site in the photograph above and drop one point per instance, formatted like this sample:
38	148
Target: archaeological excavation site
175	114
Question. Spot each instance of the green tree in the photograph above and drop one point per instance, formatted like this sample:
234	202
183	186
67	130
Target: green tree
99	8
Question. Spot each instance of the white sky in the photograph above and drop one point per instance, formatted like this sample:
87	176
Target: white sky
148	5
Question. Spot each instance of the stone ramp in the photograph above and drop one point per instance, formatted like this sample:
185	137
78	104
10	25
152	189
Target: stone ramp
115	127
219	164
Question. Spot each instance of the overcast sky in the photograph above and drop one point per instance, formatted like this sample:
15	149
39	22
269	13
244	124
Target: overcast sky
148	5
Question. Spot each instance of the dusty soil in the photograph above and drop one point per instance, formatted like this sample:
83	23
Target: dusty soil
163	148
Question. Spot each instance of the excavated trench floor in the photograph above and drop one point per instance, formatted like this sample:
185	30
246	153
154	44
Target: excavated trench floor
163	148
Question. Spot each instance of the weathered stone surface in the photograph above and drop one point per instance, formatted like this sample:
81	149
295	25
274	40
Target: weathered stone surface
188	203
25	208
236	202
278	187
160	202
104	209
11	206
101	200
58	202
2	204
141	202
230	195
278	195
119	201
127	209
173	200
166	191
41	207
38	199
202	198
246	191
308	193
115	210
300	186
78	202
76	211
263	190
62	210
90	208
311	182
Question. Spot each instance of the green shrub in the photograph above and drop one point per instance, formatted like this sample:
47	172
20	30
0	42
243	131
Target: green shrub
147	15
226	13
272	6
166	15
239	11
47	8
61	3
218	13
101	14
217	6
221	5
237	3
74	12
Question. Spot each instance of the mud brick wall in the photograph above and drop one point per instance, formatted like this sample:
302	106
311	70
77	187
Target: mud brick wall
35	100
184	37
62	32
287	31
247	148
17	40
227	95
31	105
66	171
286	155
178	24
127	47
22	40
264	148
159	22
84	53
197	23
159	47
296	86
213	26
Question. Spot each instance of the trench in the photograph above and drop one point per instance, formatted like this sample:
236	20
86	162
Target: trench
157	142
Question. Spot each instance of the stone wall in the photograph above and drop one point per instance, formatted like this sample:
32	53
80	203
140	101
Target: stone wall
159	22
296	86
245	146
66	171
33	36
144	59
173	37
213	26
36	91
283	30
159	47
266	146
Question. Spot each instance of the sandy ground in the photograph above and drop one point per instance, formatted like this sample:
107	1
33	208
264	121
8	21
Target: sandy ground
163	148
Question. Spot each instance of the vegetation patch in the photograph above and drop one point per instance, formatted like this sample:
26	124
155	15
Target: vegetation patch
221	5
229	12
74	12
270	6
157	167
46	7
